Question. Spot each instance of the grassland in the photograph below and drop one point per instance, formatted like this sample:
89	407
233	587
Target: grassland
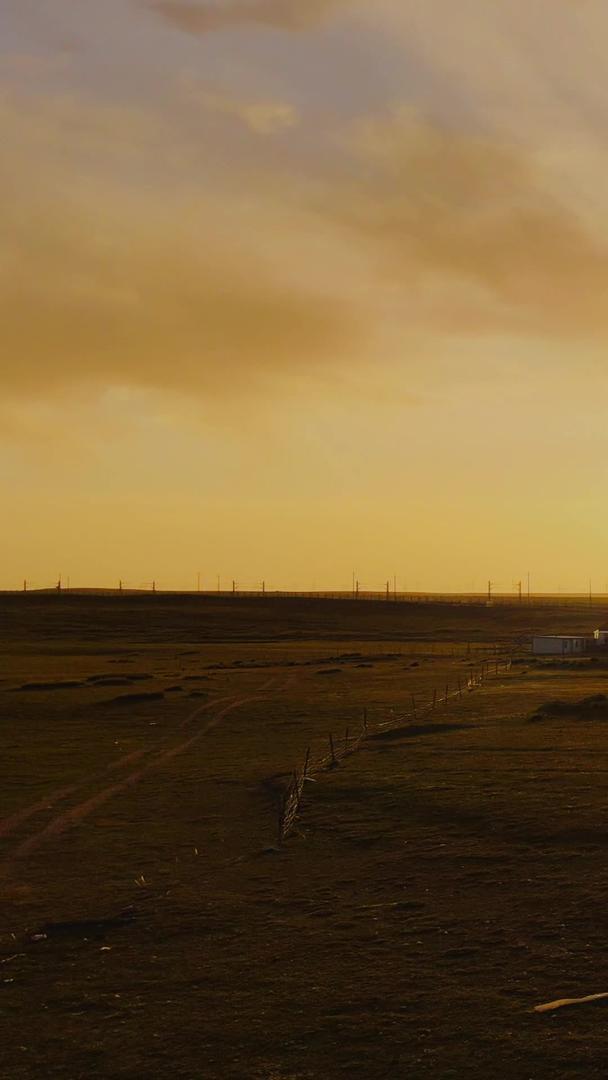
438	884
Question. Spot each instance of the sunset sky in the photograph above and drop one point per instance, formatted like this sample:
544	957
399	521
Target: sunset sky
292	288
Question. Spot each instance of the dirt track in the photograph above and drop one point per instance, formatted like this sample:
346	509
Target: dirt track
156	759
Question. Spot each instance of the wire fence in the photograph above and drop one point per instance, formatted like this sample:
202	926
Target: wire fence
338	747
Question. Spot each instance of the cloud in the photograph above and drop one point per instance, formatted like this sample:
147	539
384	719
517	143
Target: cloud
510	66
88	298
107	278
204	17
259	117
264	118
135	253
469	233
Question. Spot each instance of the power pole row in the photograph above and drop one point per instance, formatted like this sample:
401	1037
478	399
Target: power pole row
390	588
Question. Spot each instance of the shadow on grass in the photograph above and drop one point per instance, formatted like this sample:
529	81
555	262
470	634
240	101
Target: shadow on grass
411	731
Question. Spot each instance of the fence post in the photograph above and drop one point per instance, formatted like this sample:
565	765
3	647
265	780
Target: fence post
447	689
297	790
283	813
365	721
306	764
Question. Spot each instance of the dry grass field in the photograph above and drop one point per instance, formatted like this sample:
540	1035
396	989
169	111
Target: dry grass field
438	884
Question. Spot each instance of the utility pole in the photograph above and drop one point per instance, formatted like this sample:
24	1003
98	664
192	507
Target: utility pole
528	586
218	583
120	585
354	589
24	585
590	595
154	586
357	590
388	590
59	584
263	588
394	587
233	588
489	592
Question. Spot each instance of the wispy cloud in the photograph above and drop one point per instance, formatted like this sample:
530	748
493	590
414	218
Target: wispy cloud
205	17
259	116
471	232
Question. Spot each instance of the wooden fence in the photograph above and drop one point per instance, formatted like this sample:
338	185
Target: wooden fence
338	747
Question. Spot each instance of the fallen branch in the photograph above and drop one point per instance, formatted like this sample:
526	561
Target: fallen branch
552	1005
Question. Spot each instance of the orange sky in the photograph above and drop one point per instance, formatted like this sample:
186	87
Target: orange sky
295	288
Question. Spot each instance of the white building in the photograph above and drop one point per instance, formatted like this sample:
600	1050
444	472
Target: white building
558	645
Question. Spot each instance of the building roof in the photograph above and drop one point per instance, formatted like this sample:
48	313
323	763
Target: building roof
562	637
